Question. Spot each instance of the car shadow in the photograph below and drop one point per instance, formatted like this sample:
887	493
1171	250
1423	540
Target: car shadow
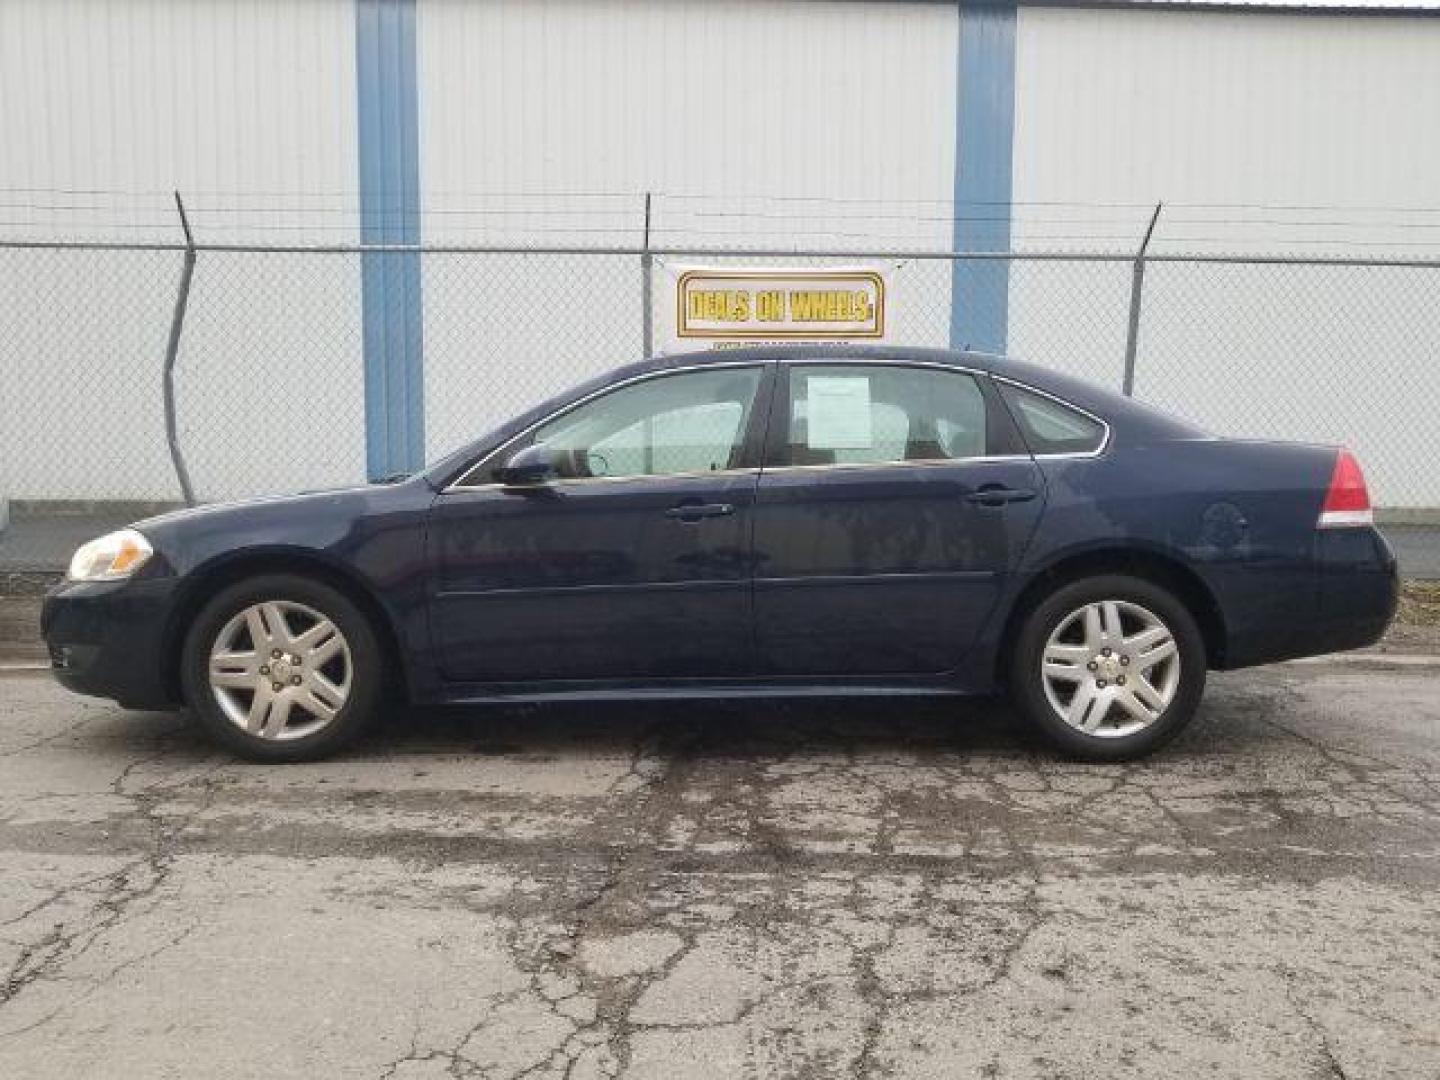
769	727
778	728
706	728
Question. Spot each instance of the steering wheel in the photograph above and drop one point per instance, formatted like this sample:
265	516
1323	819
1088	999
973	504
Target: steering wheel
574	463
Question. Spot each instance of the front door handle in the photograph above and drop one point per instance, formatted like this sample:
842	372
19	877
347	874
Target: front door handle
697	511
999	495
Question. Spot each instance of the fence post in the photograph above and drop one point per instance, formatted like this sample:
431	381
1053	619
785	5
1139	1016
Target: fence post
172	350
647	305
1137	284
647	325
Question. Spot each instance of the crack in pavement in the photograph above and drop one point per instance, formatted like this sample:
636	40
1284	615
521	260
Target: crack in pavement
121	891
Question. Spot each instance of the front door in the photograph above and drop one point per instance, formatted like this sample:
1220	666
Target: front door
893	502
634	564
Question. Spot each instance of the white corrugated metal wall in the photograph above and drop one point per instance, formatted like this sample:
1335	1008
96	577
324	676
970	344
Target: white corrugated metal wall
249	106
108	105
1262	133
736	99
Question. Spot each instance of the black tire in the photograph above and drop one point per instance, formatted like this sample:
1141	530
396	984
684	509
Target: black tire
1028	684
366	668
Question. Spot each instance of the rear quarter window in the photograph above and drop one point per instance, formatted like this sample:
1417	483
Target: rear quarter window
1050	426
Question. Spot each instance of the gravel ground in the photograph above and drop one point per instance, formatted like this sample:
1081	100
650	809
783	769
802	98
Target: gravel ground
20	630
887	889
1417	623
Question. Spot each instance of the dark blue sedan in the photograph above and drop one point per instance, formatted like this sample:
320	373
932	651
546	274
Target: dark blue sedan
752	523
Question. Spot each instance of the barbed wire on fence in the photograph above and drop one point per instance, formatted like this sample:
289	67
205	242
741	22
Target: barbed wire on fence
691	219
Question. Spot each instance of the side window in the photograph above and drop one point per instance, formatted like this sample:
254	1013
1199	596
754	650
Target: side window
685	423
855	414
1050	427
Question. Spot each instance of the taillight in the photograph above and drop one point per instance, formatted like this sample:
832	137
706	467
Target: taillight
1347	502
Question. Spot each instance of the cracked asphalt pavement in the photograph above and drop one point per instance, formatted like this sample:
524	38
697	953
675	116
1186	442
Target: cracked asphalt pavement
821	890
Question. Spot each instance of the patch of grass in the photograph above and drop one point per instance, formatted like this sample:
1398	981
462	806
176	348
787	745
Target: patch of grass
1419	603
19	583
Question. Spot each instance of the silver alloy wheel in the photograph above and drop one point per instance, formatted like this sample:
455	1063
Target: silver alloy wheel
1111	668
280	670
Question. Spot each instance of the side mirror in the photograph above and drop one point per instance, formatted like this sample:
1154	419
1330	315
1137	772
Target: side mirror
529	467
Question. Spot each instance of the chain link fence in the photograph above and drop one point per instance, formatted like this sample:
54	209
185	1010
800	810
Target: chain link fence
269	372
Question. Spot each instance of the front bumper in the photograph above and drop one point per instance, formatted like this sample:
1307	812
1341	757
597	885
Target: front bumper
108	639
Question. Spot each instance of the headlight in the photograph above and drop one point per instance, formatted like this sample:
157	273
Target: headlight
113	556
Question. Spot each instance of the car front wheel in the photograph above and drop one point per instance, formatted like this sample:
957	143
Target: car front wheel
1109	667
282	668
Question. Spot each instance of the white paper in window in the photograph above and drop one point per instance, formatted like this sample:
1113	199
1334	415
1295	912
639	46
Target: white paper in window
840	417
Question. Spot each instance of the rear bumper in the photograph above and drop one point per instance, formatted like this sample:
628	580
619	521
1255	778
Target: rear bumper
1347	602
1359	586
107	639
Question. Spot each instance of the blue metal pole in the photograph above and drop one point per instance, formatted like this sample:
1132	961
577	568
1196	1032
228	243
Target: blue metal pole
984	148
389	150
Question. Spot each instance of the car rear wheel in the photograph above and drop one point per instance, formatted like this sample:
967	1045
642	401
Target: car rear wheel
1109	667
281	668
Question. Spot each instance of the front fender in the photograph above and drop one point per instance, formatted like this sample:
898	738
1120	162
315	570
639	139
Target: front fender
370	541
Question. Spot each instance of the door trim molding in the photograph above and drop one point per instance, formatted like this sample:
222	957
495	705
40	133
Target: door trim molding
887	578
576	481
704	584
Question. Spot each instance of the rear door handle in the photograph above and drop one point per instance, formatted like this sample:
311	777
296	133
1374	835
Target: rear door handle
997	495
696	511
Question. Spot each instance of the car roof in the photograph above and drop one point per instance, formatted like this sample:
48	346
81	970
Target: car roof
844	350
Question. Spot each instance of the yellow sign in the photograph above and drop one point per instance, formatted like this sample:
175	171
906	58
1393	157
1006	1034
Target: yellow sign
774	305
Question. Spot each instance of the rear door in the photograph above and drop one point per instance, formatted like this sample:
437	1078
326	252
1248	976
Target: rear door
894	500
